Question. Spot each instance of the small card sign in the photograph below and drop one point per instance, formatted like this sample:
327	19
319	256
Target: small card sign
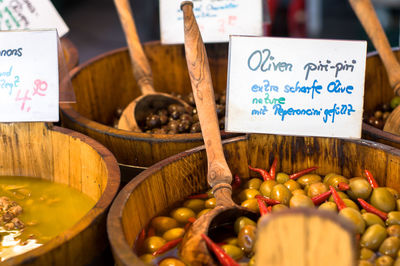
286	86
217	19
28	76
29	14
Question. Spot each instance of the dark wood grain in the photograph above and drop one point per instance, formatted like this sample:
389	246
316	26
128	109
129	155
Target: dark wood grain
71	54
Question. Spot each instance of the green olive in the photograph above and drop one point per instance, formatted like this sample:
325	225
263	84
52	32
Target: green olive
231	241
384	261
203	212
210	203
355	217
328	176
279	207
254	183
373	237
394	192
359	188
195	204
233	251
153	243
393	218
351	204
281	194
301	201
342	195
335	180
266	187
242	221
292	185
147	258
298	191
309	179
247	238
390	246
252	261
210	193
174	233
281	177
365	263
371	219
248	193
382	199
393	230
398	204
182	214
316	188
329	206
171	262
163	223
251	204
367	254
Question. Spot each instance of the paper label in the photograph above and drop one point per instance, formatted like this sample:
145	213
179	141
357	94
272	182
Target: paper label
29	76
29	14
217	19
290	86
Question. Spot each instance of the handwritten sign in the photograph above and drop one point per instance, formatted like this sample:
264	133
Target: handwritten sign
29	14
296	86
28	76
217	19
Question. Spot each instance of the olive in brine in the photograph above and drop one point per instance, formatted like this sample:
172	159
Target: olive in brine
233	251
292	185
281	194
390	246
316	189
247	238
279	207
171	262
393	230
182	214
147	258
250	204
373	237
393	218
242	221
253	183
173	233
203	212
281	177
248	193
367	254
308	179
371	219
365	263
195	204
301	201
210	203
163	223
355	217
382	199
266	187
328	206
153	243
384	261
359	188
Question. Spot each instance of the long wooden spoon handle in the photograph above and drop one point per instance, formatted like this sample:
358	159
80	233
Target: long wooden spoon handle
140	64
368	18
199	71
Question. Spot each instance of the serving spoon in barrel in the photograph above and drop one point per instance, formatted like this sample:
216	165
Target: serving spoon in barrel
219	177
150	100
368	18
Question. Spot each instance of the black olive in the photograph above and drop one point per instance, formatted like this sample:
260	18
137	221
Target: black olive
195	128
195	118
172	108
153	122
176	114
378	114
222	123
173	125
190	99
162	112
187	117
164	119
386	107
183	126
220	110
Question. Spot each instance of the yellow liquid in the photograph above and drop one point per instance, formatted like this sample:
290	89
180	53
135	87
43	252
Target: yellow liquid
48	209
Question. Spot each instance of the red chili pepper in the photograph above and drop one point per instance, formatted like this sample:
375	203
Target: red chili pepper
236	182
167	246
151	232
302	172
262	207
371	179
140	239
369	208
321	197
272	170
190	221
342	186
264	173
268	200
198	196
221	244
339	202
223	258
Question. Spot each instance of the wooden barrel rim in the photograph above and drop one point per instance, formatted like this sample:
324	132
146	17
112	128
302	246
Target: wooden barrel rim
72	51
92	125
114	218
92	216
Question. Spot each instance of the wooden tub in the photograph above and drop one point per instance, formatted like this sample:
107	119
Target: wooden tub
157	188
378	92
71	54
106	83
67	157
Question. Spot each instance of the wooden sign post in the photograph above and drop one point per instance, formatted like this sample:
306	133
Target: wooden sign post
288	86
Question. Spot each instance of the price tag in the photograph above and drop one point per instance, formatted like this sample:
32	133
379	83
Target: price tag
288	86
29	14
217	19
28	76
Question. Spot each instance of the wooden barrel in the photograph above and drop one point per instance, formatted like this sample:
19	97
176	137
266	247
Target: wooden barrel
156	189
71	54
66	157
378	92
106	83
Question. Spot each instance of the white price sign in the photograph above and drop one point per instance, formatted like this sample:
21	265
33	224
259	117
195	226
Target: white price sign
29	14
287	86
217	19
29	76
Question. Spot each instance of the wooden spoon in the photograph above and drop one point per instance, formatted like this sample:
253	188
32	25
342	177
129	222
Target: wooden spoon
219	176
368	18
135	113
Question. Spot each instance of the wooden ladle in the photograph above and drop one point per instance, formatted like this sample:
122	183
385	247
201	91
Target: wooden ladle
135	113
219	176
368	18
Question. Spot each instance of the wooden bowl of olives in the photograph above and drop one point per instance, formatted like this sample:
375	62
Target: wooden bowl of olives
137	225
379	101
105	85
